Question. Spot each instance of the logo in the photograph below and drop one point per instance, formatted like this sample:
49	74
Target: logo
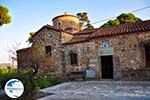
14	88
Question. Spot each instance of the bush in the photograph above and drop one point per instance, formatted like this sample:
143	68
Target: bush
7	69
23	76
4	70
44	80
39	81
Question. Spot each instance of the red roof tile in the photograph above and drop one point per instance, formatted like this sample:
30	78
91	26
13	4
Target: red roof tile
77	39
82	36
86	31
51	27
127	28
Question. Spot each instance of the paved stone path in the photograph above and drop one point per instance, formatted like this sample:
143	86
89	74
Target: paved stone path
99	90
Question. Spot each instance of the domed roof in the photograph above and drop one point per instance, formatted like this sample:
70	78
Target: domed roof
65	14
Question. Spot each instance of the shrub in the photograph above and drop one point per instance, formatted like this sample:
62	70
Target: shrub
4	70
38	82
44	80
24	77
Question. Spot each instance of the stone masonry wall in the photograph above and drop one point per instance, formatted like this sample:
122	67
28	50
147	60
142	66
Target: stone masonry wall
23	59
43	38
86	56
50	38
127	47
65	37
66	22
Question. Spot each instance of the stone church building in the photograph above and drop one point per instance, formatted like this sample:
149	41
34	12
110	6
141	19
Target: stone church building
119	52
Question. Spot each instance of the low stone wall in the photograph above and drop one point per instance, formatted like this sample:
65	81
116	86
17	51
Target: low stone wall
136	74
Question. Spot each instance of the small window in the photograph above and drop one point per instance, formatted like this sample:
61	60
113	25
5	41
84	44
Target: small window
48	50
73	58
106	44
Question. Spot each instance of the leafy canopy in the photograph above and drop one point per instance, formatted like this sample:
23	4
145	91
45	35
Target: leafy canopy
84	20
121	19
5	18
30	37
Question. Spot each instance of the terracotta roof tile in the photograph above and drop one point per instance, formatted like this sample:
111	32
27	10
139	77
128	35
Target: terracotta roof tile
77	39
86	31
51	27
127	28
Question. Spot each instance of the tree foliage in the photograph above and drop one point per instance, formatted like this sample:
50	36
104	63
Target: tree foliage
5	18
30	37
121	19
84	20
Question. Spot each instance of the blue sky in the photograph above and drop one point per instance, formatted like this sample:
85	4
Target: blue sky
30	15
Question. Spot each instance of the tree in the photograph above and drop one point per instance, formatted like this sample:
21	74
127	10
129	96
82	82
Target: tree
84	20
30	37
5	18
121	19
12	52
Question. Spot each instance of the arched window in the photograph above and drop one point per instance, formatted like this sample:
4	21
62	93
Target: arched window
106	44
73	58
